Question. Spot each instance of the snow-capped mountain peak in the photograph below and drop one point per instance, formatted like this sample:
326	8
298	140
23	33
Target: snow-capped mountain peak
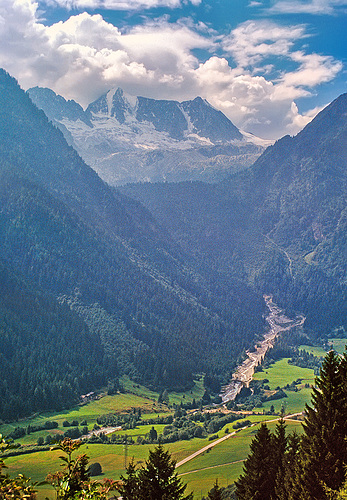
128	138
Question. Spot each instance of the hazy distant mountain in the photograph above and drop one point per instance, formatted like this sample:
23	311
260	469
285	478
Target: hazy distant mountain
130	139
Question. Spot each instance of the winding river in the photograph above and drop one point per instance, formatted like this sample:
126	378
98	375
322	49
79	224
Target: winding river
278	322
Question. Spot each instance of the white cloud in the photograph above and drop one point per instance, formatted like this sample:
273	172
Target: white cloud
119	4
252	41
313	70
317	7
296	121
85	56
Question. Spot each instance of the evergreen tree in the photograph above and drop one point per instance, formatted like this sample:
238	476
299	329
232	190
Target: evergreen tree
324	442
129	487
158	480
280	445
288	480
258	479
215	493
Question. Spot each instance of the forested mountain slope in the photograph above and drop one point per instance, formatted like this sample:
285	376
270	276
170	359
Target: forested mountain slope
280	225
140	302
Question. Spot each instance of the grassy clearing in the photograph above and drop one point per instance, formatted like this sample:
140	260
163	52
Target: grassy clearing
137	396
315	350
137	389
223	462
196	393
117	403
282	373
309	257
338	344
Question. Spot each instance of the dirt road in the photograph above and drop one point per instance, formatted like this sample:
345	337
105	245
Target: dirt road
228	436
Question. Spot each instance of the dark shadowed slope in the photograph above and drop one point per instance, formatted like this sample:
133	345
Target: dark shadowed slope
149	308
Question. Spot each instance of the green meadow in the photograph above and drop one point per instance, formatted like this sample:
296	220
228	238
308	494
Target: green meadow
118	403
317	351
222	462
338	344
282	373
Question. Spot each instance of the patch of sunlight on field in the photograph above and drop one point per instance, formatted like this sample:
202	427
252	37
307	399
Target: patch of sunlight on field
338	344
182	449
315	350
281	373
201	482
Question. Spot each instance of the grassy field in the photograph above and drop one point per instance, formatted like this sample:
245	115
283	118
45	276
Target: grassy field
282	373
196	392
338	344
223	462
315	350
111	457
137	396
89	412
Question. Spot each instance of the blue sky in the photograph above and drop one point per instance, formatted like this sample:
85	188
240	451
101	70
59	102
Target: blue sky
269	65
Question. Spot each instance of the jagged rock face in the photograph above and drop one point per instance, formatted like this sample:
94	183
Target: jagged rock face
178	120
56	107
208	122
129	139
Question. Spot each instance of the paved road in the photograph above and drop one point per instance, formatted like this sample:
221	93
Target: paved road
227	436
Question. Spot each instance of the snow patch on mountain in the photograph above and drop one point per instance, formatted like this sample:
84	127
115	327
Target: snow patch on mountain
128	139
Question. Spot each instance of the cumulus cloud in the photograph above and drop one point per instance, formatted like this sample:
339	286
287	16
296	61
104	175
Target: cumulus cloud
296	121
252	41
317	7
85	56
252	44
119	4
313	69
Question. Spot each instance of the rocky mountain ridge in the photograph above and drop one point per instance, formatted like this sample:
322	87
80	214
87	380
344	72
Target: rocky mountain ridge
130	139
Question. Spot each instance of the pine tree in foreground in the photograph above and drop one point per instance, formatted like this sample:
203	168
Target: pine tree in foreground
324	454
258	479
156	481
215	493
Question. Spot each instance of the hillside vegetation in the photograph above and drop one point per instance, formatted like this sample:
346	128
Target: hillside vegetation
280	225
139	304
